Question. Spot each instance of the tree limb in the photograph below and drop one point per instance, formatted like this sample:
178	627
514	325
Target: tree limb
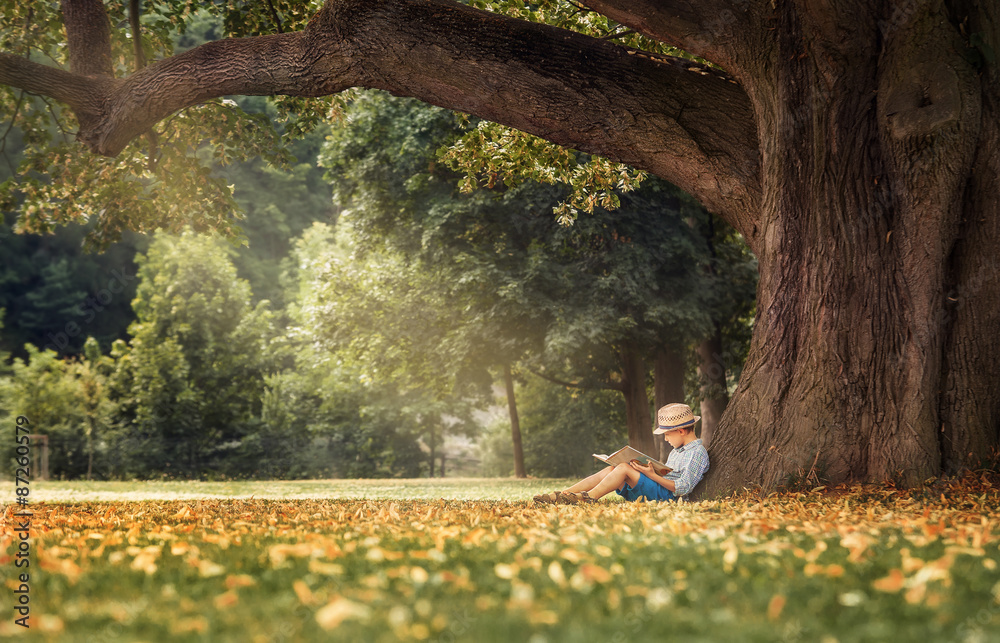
88	37
689	124
705	28
85	96
681	121
599	386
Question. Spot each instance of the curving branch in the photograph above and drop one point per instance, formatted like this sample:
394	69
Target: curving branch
691	125
705	28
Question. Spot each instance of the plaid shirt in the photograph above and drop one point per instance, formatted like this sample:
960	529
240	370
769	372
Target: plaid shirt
689	464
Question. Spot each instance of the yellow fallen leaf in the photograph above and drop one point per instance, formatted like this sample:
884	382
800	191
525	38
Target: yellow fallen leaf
302	590
226	600
234	581
281	552
572	555
595	573
857	543
774	607
732	554
338	610
419	575
543	617
891	583
207	569
145	562
317	566
197	624
556	573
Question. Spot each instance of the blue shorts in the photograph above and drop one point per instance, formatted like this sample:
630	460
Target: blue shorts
646	489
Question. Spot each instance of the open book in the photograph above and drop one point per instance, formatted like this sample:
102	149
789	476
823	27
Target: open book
627	453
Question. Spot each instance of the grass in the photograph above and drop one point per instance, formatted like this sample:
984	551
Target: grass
385	489
473	560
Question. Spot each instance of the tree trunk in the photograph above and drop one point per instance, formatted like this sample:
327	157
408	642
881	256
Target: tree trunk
637	417
668	387
515	423
712	378
868	148
433	447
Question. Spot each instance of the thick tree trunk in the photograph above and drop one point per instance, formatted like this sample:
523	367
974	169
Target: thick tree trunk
712	379
868	145
515	423
970	411
668	387
637	416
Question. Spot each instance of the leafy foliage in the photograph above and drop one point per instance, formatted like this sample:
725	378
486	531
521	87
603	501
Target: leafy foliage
374	394
64	400
192	377
164	180
640	273
561	428
491	153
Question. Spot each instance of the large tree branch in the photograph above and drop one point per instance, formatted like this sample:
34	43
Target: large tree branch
690	125
705	28
88	37
84	95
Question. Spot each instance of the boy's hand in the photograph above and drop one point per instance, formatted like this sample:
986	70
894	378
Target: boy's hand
638	466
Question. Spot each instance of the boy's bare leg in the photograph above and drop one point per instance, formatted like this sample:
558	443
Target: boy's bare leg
590	481
613	480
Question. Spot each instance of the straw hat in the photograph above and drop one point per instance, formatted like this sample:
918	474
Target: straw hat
674	416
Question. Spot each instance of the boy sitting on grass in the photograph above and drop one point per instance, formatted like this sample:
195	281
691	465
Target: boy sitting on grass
688	462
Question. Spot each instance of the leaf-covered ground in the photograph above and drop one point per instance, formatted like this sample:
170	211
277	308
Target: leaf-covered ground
859	564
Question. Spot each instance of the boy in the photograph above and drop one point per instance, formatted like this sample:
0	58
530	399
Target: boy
688	462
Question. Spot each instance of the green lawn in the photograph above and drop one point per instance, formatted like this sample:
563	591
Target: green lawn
412	489
474	560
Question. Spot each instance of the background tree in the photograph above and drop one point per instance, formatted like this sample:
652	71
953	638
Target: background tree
93	371
360	377
46	389
192	377
854	146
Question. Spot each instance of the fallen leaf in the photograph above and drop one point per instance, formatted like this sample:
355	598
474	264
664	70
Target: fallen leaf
338	610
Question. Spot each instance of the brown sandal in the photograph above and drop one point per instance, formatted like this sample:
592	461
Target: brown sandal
574	498
553	498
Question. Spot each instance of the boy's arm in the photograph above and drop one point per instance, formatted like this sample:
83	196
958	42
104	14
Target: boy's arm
694	470
691	476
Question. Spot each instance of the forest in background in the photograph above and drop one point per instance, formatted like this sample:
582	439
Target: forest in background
365	327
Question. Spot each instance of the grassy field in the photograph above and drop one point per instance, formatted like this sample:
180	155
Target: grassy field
383	489
474	560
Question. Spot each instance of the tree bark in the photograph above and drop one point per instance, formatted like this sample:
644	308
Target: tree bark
88	37
515	423
868	147
970	413
668	387
637	416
